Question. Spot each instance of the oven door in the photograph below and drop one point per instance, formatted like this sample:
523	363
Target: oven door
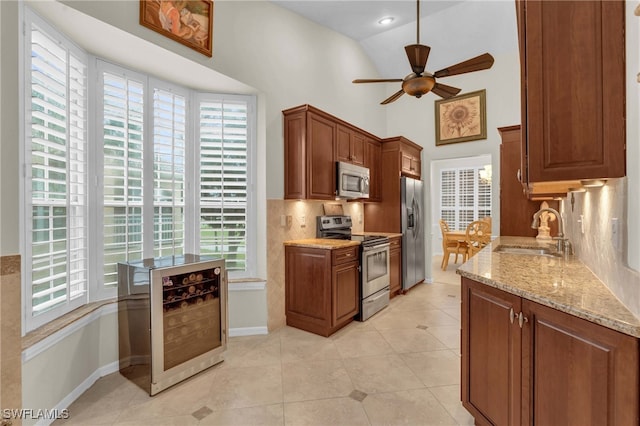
375	269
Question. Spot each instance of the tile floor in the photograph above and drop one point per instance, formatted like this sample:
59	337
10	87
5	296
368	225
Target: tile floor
400	367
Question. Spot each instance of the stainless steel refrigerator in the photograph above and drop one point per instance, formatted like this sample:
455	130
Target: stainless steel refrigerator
413	220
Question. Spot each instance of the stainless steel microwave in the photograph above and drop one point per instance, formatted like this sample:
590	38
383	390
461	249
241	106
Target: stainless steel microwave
352	181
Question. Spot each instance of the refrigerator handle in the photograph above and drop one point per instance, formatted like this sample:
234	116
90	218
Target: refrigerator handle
415	217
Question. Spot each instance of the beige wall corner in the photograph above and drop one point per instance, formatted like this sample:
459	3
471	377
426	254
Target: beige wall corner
10	340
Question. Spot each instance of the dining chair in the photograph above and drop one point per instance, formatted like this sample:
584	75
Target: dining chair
451	246
477	236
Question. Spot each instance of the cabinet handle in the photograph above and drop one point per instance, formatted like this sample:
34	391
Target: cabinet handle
522	319
512	315
519	175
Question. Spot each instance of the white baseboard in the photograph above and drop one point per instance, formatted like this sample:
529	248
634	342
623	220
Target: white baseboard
247	331
80	389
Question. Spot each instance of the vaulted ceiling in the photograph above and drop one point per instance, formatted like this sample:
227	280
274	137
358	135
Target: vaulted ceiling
456	30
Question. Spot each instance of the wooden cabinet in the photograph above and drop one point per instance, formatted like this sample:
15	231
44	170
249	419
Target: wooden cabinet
573	90
411	164
525	363
322	290
395	265
350	146
313	142
385	216
309	139
516	209
373	156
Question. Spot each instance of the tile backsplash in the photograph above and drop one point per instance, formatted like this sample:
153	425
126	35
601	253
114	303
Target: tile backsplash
596	224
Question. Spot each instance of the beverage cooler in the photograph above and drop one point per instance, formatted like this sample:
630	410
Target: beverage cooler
172	318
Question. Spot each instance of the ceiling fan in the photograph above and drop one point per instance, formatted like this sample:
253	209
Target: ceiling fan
421	82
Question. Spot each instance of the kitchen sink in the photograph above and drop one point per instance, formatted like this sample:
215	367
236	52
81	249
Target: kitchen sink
532	251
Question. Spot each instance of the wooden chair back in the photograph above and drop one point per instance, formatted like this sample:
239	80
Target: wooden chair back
478	235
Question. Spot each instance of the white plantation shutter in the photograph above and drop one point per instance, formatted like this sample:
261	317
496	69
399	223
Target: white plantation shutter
169	135
223	180
464	197
56	179
123	120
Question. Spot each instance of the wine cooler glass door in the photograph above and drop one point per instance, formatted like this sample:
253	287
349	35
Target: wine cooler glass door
187	324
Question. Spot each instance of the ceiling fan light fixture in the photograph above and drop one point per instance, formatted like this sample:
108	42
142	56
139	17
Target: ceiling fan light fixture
418	86
386	20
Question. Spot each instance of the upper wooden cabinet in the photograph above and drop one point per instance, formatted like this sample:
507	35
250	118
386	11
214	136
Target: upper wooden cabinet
516	209
350	146
573	89
313	142
373	161
309	146
396	152
408	153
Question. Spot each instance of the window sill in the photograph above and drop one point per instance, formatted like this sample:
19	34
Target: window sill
36	336
49	329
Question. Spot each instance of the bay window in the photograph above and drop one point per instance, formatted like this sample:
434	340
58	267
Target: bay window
129	168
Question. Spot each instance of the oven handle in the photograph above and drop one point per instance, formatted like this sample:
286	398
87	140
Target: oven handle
383	294
376	247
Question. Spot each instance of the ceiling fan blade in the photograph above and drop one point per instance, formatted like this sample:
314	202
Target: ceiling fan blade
478	63
393	97
418	55
377	80
445	91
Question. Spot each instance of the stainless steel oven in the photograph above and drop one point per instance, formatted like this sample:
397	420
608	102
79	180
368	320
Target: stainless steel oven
374	262
375	277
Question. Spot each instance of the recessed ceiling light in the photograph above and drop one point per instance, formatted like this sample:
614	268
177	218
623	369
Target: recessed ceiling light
386	21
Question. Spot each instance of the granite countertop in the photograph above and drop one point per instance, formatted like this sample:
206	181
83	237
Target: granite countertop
330	244
322	243
563	284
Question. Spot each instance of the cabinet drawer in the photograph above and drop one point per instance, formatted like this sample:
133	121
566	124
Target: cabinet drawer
347	254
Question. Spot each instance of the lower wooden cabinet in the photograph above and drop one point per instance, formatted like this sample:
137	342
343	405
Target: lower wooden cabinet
525	363
322	288
395	266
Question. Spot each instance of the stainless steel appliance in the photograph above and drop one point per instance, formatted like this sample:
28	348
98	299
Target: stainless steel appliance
413	244
374	262
172	318
352	180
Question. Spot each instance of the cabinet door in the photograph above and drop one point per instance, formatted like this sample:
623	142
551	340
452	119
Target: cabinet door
574	89
350	146
308	288
295	166
345	292
321	168
343	144
410	165
576	372
516	210
373	159
395	265
358	141
490	354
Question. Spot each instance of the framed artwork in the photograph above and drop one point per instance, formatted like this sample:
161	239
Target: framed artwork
188	22
462	118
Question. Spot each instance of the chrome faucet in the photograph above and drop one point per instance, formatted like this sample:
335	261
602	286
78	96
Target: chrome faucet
563	244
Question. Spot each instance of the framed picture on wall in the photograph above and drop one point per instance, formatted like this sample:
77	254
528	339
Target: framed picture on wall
188	22
462	118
